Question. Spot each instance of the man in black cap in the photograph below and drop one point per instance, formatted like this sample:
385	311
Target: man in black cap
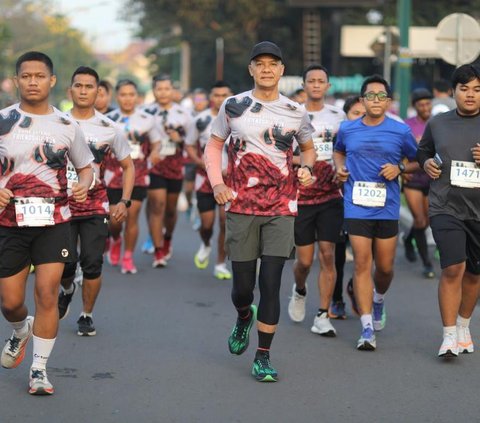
260	195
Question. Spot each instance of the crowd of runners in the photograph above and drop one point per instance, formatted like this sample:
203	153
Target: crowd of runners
278	180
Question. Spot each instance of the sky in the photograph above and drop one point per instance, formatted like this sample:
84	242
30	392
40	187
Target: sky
100	20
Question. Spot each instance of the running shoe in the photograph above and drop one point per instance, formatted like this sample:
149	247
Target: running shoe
147	246
240	337
14	351
221	271
159	259
296	306
262	368
351	295
197	223
428	272
323	327
410	253
202	257
39	384
167	248
85	326
128	266
379	316
449	347
337	310
64	301
464	340
115	251
367	341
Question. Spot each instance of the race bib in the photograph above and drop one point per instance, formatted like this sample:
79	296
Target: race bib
324	149
168	148
369	194
136	152
71	175
34	211
465	174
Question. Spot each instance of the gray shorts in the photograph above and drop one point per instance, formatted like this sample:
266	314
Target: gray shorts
249	237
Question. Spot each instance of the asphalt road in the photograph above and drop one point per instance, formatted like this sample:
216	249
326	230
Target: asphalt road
160	355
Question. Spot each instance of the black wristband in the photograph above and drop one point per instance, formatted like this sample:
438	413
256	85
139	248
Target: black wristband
310	168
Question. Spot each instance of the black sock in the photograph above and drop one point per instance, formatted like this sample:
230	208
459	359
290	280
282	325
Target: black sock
410	235
302	291
167	237
243	313
422	246
264	342
321	311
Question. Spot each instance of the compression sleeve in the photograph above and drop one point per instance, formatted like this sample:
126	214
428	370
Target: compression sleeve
213	161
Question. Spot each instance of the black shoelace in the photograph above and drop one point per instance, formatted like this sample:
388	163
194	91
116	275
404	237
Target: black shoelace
38	374
14	342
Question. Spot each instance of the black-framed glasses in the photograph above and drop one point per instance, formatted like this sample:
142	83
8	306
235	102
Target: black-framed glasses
381	96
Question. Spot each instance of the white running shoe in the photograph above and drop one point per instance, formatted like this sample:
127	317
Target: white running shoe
201	259
296	306
464	340
322	326
449	347
39	384
221	271
14	351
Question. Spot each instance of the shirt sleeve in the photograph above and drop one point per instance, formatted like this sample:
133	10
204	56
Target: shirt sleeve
220	126
79	152
120	146
426	148
305	131
409	149
192	135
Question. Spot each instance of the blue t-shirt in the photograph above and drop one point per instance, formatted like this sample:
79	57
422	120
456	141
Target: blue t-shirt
367	148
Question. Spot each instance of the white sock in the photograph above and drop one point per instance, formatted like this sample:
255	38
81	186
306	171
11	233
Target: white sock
378	298
41	351
366	320
463	322
20	328
69	290
450	331
85	314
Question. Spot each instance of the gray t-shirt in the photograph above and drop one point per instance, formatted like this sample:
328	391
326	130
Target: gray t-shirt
452	137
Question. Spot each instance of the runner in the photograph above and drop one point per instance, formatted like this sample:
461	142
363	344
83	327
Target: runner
260	195
35	138
104	97
368	158
166	177
196	141
450	154
415	187
90	219
142	135
320	211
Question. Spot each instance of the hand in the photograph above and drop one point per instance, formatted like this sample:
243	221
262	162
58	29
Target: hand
118	212
5	196
174	135
155	157
390	171
79	192
222	194
431	169
342	174
304	176
476	153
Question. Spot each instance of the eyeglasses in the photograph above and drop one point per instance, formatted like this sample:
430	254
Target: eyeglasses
381	96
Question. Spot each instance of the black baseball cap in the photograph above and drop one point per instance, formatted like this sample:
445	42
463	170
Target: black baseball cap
266	47
421	94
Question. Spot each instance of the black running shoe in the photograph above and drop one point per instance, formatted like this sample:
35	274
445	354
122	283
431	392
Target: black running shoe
64	301
85	326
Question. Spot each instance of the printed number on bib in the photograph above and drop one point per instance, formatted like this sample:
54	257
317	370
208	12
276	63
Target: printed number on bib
136	152
324	149
71	175
168	148
369	194
34	211
465	174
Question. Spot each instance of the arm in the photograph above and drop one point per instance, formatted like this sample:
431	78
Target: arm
213	166
307	158
192	152
425	153
339	160
80	188
118	212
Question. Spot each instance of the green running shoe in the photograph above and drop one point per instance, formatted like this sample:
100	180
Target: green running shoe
263	370
240	337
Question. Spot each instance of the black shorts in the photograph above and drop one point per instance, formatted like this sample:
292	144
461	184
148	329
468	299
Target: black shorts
319	222
190	172
424	189
382	229
93	233
115	194
20	247
205	202
457	241
173	186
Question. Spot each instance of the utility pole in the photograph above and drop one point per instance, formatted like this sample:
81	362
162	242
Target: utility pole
404	63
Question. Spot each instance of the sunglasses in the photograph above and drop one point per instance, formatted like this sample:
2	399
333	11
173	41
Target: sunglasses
370	96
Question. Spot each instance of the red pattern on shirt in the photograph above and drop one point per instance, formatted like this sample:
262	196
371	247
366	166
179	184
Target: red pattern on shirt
323	188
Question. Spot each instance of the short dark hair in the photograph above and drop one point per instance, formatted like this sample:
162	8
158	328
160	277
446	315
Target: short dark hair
124	82
105	84
315	66
464	74
221	84
200	91
161	77
85	70
34	56
350	102
442	85
376	79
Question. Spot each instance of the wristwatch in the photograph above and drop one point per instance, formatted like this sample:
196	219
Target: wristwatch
401	166
127	203
310	168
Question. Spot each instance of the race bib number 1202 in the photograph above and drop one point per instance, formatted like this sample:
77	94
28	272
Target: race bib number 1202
369	194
